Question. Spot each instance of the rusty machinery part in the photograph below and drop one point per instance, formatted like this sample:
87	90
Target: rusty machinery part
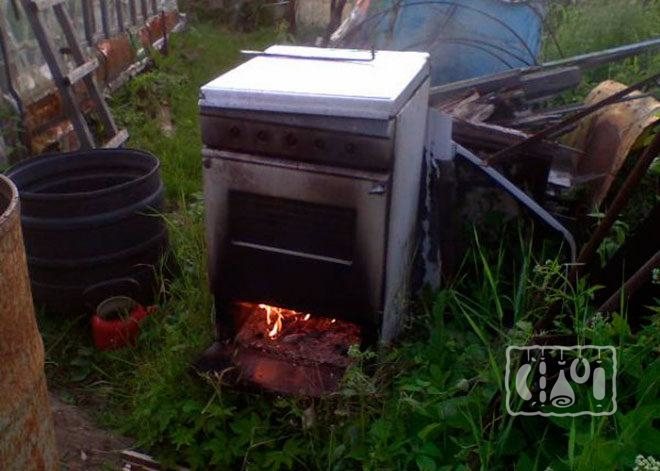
636	281
99	210
619	202
638	248
26	426
608	135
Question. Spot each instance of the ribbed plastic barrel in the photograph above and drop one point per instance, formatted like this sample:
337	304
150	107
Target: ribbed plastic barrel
27	439
91	226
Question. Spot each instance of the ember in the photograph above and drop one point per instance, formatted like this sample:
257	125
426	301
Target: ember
290	351
295	335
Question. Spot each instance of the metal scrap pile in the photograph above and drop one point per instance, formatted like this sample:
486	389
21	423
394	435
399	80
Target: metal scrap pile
572	160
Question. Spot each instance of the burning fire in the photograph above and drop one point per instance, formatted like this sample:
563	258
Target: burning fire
275	318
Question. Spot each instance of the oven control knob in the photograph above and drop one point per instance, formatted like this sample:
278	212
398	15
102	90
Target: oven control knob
350	148
262	136
319	143
377	189
234	131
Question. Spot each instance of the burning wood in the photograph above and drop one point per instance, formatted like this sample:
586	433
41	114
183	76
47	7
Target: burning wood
286	351
296	336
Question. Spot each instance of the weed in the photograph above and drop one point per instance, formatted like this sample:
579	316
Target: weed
593	25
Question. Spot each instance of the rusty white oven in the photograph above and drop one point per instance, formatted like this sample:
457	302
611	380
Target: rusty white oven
312	161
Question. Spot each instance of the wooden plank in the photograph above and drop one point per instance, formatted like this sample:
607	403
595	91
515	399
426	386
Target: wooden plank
535	83
117	140
513	78
133	9
42	5
546	83
78	55
89	21
552	131
492	137
483	85
56	68
105	18
75	75
120	16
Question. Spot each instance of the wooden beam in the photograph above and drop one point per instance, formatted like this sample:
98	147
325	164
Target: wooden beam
494	138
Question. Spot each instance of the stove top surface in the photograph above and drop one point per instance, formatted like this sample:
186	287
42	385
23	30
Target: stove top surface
356	87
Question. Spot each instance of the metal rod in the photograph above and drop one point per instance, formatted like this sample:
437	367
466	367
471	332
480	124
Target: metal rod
595	59
120	16
519	196
88	21
633	179
511	78
314	58
633	283
133	11
603	228
509	153
105	20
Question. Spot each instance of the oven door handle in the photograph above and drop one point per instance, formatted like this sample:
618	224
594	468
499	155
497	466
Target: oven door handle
293	253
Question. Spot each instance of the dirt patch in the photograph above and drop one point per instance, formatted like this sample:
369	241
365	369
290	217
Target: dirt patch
81	444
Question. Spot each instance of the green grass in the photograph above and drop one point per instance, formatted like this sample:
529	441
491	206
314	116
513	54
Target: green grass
594	25
427	404
198	55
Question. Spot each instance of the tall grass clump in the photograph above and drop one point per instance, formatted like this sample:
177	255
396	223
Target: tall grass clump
592	25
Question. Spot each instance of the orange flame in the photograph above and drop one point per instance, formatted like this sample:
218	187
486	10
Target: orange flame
275	318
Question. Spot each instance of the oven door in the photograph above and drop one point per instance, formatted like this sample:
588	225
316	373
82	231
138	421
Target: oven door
296	235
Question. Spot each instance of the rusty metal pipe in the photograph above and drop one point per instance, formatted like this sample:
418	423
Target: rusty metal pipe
633	283
587	252
27	438
632	181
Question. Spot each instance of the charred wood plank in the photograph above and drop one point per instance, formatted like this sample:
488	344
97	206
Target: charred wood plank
482	85
545	83
492	137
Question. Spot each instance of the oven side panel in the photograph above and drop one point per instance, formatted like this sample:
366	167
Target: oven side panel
401	240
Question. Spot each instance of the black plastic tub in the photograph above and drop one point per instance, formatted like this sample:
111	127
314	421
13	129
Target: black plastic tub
91	225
